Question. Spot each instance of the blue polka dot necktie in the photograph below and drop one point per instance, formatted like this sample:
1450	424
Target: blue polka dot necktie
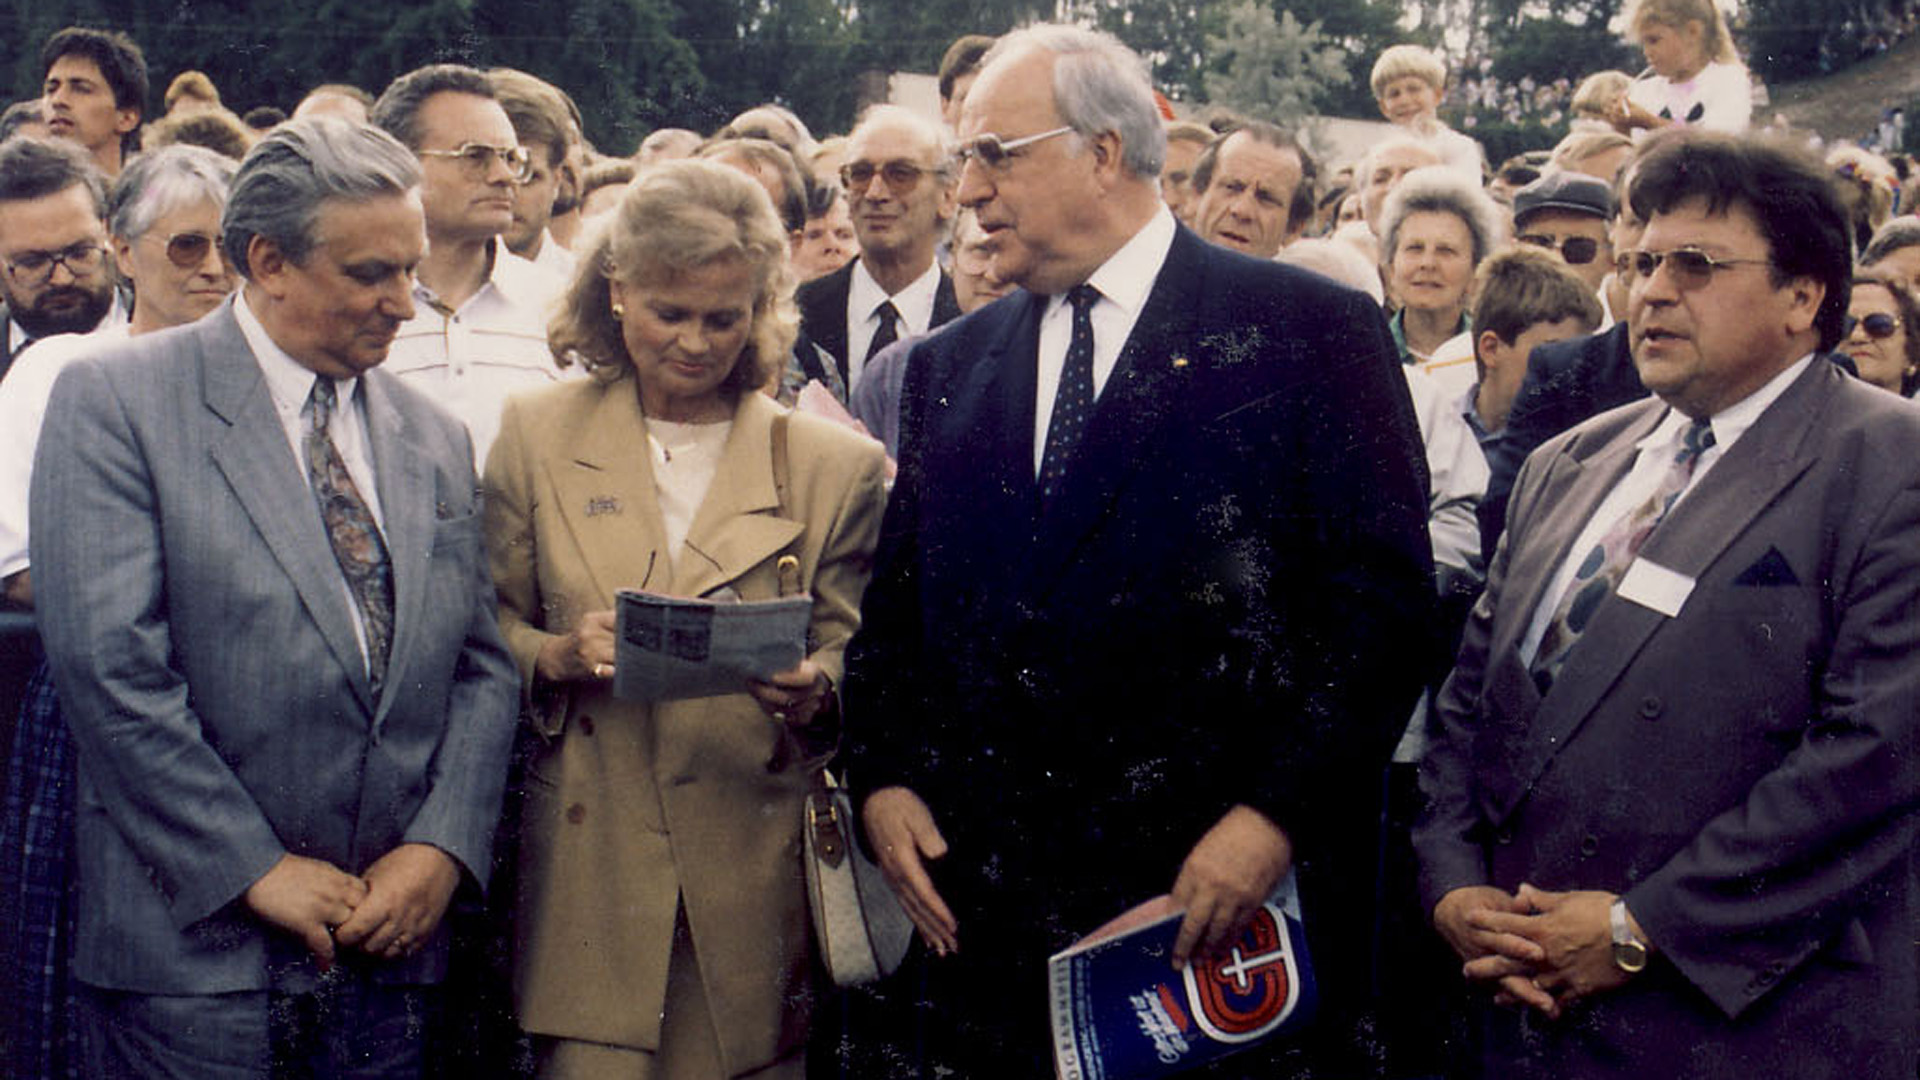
352	532
1073	404
1600	571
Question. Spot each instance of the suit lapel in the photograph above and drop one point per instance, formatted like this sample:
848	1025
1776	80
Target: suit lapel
1576	483
1145	386
606	493
825	314
408	503
258	464
1769	457
1001	387
739	523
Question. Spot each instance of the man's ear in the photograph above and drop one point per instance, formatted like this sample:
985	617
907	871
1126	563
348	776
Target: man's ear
126	120
268	266
1105	148
1807	295
1489	349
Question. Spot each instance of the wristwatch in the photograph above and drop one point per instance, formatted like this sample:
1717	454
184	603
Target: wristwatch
1629	952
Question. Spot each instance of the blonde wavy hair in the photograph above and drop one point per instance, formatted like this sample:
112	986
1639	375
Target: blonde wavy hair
675	217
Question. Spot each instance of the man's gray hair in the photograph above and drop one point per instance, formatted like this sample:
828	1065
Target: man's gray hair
934	135
1441	189
159	182
1896	234
1099	85
289	175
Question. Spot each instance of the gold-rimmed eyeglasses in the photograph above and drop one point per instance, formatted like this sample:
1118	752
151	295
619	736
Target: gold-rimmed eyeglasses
993	152
477	158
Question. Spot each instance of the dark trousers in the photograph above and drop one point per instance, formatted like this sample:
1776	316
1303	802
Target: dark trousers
347	1028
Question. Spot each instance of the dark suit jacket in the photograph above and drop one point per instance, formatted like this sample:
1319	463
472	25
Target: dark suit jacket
1217	609
203	643
1567	382
1745	772
823	312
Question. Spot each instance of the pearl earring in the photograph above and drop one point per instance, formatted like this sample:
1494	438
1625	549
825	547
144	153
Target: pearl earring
619	312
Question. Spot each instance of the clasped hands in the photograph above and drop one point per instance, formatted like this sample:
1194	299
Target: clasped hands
1538	949
388	912
586	652
1225	878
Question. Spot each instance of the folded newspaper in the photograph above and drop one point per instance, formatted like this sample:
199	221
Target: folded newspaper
670	647
1120	1011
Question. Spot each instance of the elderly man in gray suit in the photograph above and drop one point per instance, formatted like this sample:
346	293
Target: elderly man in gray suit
260	581
1675	793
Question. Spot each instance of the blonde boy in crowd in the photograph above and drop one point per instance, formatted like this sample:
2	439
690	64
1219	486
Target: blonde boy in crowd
1407	83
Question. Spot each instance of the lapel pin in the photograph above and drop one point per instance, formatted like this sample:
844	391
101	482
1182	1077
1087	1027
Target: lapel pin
602	504
1180	362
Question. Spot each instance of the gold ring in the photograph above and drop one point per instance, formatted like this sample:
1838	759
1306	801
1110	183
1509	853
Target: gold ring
602	671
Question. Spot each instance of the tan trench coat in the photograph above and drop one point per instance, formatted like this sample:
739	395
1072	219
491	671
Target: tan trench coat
633	809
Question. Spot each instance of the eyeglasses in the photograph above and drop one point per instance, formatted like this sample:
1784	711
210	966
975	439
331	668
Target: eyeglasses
1576	250
901	176
1878	325
35	268
188	250
1692	268
478	159
994	153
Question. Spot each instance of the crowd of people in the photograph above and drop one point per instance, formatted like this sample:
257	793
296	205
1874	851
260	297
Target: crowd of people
1517	559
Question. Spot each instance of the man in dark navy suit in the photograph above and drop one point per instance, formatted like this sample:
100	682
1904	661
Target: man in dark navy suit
1152	596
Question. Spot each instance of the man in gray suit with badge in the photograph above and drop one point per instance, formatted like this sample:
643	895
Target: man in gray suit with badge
259	575
1674	791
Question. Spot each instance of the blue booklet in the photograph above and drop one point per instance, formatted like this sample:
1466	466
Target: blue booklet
1120	1011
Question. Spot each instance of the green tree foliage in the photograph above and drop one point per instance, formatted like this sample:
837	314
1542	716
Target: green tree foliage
1171	34
1547	49
1276	69
1798	39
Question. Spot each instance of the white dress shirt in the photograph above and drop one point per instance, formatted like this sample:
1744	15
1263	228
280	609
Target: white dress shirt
864	295
290	386
1124	281
1656	454
23	406
492	346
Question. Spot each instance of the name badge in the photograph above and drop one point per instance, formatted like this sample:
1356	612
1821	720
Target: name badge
1654	586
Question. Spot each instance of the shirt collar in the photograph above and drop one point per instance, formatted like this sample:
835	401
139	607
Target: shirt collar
1127	277
502	279
1733	421
288	380
914	303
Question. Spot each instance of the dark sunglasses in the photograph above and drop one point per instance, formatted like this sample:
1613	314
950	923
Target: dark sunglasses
1879	325
994	152
188	250
1576	250
1691	267
901	176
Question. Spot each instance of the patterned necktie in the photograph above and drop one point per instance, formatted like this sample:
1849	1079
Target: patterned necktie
1073	404
351	530
889	331
1599	573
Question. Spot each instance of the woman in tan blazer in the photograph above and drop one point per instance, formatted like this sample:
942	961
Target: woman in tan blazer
662	928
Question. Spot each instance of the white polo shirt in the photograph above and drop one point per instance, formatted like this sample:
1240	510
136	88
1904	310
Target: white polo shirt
469	360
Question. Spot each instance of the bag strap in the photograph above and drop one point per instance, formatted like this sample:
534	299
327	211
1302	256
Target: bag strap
782	470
